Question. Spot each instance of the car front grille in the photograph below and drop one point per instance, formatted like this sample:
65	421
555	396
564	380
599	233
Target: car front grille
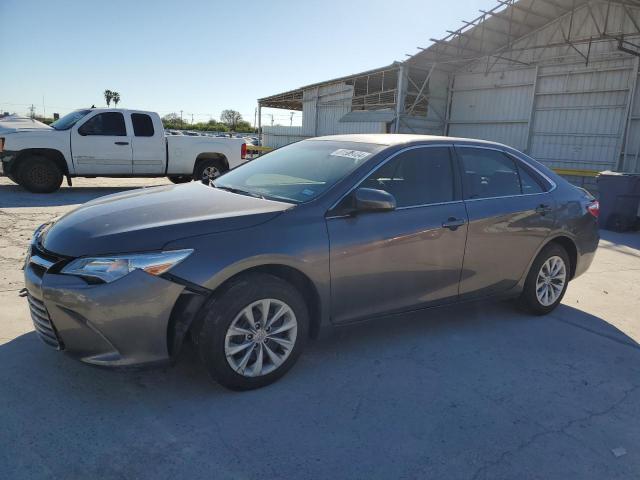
42	322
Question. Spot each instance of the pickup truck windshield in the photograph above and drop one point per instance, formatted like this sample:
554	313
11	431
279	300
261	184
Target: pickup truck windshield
298	172
69	120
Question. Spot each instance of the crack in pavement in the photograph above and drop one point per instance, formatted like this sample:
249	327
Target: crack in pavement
556	431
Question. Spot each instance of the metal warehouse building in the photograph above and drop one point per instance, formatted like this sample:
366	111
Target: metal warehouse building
557	79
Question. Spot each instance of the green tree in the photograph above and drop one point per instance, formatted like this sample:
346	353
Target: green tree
243	126
230	118
115	98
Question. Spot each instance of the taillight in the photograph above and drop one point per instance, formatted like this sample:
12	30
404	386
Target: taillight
243	151
594	208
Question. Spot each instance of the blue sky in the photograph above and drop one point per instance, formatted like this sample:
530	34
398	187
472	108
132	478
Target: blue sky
202	56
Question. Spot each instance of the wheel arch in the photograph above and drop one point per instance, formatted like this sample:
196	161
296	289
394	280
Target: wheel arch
52	154
570	247
217	156
295	277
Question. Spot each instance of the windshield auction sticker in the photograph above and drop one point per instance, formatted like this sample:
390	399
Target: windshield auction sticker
355	154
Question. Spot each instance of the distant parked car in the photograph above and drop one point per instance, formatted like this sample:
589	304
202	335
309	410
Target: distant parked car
320	233
111	142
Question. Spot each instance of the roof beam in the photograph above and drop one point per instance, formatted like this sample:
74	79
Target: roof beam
564	8
501	15
527	10
488	29
448	44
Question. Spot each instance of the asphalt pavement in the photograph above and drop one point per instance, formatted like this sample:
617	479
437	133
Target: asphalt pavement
475	391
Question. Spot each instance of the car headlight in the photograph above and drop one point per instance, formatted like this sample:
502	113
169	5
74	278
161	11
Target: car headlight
112	267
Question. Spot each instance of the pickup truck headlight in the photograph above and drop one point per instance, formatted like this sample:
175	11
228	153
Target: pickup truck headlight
112	267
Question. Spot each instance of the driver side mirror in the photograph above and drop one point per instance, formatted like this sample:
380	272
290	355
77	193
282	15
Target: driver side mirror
373	200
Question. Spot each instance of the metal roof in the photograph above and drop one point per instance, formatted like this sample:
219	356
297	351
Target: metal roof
493	32
292	99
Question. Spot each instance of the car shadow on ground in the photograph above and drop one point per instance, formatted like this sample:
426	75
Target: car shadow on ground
472	391
627	239
14	196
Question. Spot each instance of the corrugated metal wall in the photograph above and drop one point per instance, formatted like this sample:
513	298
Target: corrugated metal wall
563	111
277	136
631	151
580	114
494	106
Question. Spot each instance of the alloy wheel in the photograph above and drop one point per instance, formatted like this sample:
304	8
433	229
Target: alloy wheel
261	337
210	173
551	280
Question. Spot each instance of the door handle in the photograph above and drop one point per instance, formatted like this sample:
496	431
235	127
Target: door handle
453	223
121	143
543	209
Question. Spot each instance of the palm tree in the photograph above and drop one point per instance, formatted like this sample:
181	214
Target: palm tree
108	96
115	96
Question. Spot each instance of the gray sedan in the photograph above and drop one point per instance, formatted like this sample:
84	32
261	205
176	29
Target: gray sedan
317	234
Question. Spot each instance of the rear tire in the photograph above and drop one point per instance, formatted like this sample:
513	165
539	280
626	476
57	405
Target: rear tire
208	170
271	347
38	174
547	280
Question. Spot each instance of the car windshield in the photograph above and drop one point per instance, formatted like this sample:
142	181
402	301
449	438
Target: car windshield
298	172
69	120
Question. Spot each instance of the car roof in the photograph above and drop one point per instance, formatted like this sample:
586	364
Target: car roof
391	139
122	110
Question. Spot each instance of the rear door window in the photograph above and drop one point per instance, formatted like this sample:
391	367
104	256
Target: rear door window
488	173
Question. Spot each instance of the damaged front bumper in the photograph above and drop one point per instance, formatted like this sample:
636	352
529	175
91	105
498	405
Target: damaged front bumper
130	321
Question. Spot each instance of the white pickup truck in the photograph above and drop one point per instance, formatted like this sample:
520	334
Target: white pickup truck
109	142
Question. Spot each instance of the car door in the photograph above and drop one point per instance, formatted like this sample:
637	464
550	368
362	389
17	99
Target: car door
405	258
101	145
148	146
511	212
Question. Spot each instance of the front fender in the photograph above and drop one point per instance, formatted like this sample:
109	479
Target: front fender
288	240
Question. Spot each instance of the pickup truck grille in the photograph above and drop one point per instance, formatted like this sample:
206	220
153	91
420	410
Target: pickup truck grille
42	322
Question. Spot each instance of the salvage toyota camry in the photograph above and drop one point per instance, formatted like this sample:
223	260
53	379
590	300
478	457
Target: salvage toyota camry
319	233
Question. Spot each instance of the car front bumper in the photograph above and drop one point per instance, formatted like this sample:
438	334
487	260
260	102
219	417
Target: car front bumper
123	323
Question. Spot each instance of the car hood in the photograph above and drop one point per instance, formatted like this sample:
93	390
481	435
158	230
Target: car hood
147	219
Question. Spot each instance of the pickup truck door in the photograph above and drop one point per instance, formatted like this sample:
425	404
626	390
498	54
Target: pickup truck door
101	145
148	144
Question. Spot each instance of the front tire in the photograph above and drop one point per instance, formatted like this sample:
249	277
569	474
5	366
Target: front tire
547	280
253	331
38	174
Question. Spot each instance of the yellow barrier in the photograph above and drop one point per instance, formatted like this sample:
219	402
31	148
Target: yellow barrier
255	148
575	172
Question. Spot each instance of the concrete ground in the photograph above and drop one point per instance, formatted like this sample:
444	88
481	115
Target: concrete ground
480	391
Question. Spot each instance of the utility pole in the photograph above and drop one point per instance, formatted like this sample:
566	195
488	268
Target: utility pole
32	111
291	118
181	123
192	119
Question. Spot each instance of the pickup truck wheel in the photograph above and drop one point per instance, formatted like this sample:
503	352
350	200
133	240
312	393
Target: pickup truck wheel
38	174
180	179
207	170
